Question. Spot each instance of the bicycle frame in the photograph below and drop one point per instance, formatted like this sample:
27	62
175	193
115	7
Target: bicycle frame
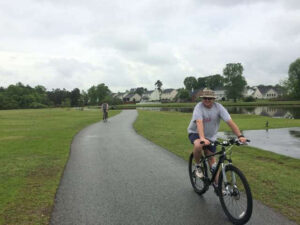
220	163
232	189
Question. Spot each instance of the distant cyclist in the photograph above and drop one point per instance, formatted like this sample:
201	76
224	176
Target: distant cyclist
105	111
204	126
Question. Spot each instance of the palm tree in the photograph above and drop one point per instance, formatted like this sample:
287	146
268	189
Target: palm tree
159	84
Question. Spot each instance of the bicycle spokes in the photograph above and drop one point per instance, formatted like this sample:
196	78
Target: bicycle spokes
236	198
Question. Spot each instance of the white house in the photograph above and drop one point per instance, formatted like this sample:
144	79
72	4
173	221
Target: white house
265	92
151	96
220	94
120	95
132	97
168	94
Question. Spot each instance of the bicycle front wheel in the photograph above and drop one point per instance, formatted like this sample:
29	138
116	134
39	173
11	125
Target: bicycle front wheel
198	184
235	195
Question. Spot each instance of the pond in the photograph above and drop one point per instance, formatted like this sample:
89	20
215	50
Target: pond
285	141
291	112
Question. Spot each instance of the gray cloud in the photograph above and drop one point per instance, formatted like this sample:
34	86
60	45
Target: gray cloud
290	4
72	43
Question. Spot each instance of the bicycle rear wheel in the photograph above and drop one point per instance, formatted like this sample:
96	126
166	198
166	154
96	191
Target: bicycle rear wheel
105	116
198	184
235	196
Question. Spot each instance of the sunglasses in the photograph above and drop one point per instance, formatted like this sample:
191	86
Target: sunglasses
205	98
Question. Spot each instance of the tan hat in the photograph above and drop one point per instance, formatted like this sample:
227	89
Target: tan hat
207	93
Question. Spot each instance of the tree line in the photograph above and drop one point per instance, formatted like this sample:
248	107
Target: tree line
232	81
235	83
19	96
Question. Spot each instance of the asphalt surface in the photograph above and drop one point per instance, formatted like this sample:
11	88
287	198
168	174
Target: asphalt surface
115	176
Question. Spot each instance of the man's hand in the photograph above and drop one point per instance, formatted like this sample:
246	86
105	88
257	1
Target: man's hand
206	142
243	139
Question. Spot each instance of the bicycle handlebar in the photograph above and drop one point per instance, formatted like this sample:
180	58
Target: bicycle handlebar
226	142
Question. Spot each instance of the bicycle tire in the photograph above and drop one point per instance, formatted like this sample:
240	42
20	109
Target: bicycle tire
238	192
105	116
199	185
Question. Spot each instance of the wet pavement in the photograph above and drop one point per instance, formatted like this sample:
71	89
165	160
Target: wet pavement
114	176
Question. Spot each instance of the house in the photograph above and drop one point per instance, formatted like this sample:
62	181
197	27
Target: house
265	92
168	95
120	95
151	96
195	94
220	94
249	91
132	97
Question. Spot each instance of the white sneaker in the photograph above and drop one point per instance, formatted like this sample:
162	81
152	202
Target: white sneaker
198	172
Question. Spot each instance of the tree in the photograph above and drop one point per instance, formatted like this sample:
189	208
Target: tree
214	81
75	97
140	90
190	83
58	96
293	82
235	83
84	98
182	95
158	84
98	93
201	82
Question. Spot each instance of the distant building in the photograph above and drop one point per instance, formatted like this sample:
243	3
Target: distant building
132	97
220	93
265	92
168	95
195	94
120	95
151	96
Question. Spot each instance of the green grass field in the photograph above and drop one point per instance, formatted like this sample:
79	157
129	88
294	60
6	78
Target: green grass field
34	148
274	179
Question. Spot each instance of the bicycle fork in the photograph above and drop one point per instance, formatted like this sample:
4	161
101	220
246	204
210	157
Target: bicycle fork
225	180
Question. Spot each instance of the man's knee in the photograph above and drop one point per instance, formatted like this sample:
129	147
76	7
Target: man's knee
197	145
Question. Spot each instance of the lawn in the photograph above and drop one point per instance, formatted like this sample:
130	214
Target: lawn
34	148
274	179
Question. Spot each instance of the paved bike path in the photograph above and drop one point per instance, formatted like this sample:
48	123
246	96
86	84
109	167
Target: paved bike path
114	176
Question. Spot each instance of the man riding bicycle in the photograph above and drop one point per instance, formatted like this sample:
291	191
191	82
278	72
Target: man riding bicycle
204	126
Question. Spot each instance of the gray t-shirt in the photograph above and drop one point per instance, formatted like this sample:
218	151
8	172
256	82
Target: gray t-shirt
210	118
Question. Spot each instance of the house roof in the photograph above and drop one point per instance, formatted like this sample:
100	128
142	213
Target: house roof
131	95
165	91
148	92
264	89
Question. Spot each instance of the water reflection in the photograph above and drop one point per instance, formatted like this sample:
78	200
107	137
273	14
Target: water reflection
295	133
271	111
285	141
290	112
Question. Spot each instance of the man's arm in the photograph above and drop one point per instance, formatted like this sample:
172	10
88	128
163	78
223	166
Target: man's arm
201	132
236	130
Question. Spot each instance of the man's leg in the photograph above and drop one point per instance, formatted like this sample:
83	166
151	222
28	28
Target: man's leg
197	152
211	161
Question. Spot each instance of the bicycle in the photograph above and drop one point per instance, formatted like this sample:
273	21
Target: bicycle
105	115
233	189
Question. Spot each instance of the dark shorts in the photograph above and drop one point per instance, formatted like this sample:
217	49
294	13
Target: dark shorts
194	136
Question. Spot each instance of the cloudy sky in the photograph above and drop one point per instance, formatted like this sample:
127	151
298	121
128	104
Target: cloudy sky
125	44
